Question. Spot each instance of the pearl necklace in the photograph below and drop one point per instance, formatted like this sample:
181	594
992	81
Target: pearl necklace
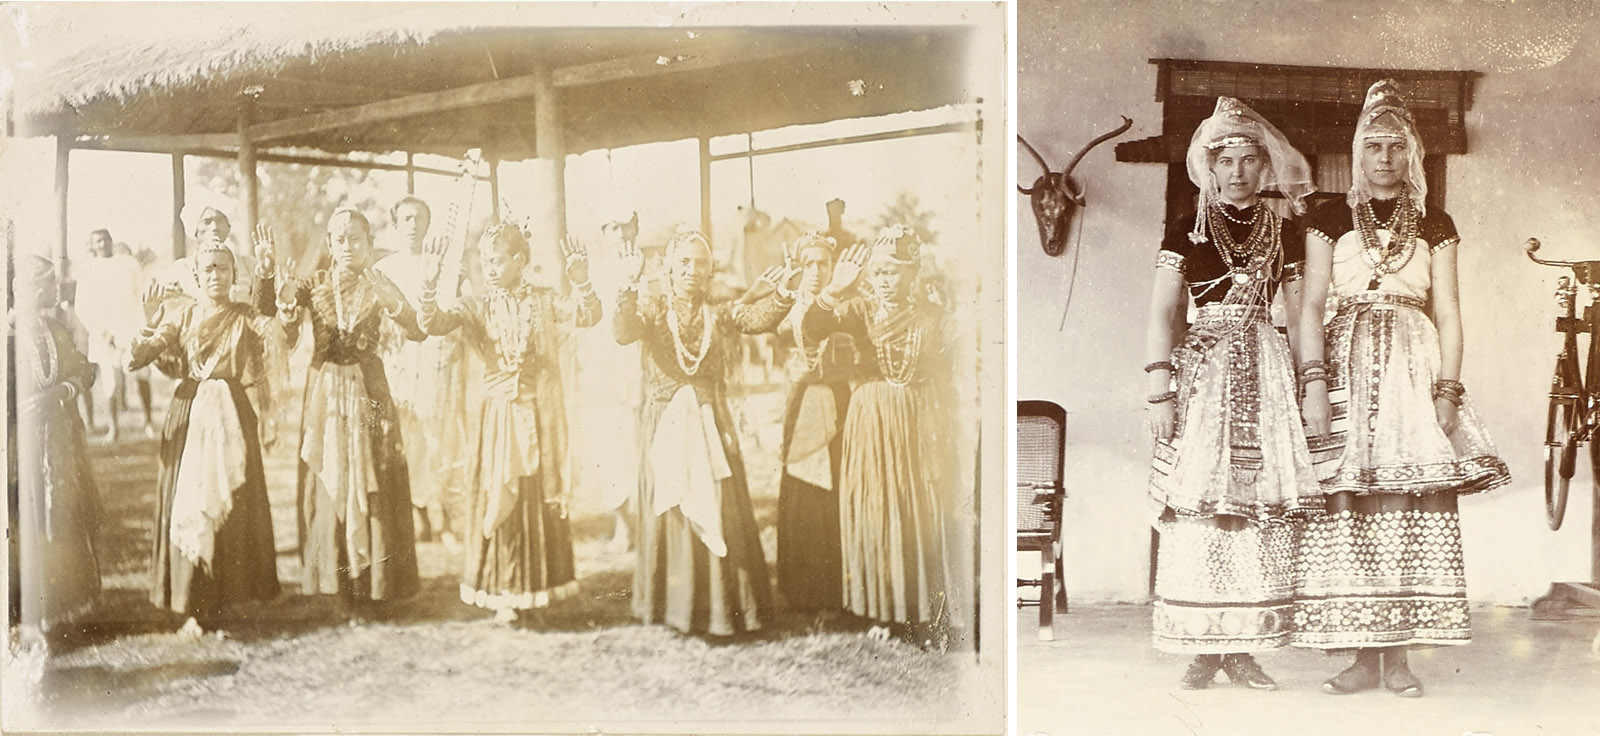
1402	227
510	322
690	363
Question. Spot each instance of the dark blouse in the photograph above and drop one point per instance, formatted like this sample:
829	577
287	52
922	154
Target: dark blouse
1202	262
1334	219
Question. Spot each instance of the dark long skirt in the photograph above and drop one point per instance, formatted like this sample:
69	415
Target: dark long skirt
528	562
677	580
244	559
809	560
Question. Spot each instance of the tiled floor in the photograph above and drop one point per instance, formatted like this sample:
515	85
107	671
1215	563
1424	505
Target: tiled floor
1100	676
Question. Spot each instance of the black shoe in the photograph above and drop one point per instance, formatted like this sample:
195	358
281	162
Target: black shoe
1201	670
1353	679
1242	669
1401	682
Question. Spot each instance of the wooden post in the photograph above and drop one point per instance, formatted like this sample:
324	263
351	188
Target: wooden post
550	215
179	237
494	189
63	156
411	173
705	187
248	182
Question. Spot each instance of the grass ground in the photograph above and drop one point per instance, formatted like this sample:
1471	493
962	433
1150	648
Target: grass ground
435	664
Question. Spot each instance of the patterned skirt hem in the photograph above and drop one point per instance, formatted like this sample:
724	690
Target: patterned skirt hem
520	601
1334	643
1214	646
1462	477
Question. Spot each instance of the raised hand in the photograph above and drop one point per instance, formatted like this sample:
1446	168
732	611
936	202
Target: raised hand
577	259
266	248
764	285
849	269
155	302
632	260
434	250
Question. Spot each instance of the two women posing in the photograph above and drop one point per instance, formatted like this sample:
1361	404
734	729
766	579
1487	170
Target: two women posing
1311	500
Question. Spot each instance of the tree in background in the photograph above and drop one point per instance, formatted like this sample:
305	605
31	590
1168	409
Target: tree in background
296	199
907	210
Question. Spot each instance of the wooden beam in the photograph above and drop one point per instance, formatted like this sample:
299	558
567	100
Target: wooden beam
650	65
887	135
487	93
179	196
160	143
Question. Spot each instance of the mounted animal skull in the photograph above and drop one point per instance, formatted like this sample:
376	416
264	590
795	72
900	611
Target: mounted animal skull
1056	198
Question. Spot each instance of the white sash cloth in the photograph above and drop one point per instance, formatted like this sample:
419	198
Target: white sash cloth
212	466
688	465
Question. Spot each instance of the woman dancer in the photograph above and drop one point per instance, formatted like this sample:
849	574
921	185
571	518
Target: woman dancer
701	568
1231	475
355	518
214	543
895	474
1382	571
519	544
819	368
58	505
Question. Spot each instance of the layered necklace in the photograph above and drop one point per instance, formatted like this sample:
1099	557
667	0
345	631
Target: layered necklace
1246	261
689	361
345	317
898	352
811	357
510	319
1402	226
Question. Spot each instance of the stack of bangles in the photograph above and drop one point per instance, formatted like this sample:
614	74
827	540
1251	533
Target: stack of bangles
1449	390
1311	372
1161	398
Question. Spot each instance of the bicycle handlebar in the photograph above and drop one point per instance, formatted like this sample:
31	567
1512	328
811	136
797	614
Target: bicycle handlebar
1588	272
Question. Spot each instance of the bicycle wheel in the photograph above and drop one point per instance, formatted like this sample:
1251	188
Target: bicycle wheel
1560	457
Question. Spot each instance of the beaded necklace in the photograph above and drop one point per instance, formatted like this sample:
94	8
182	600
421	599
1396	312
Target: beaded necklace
898	354
811	358
1256	250
510	321
339	311
1402	227
46	363
690	362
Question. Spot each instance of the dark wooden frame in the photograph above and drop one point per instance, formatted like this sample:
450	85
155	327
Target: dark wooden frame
1050	494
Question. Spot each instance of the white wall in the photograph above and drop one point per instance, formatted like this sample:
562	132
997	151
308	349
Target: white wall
1532	170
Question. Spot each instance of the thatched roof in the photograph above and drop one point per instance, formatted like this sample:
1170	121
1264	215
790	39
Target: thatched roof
614	86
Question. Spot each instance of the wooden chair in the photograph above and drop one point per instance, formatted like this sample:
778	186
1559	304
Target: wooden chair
1041	447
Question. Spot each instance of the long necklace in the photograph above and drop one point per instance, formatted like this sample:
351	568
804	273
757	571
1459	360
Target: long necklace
1256	250
46	363
339	311
898	355
509	326
811	358
1402	227
689	362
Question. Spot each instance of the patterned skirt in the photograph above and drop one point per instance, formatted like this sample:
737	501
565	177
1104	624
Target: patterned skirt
1228	489
1383	565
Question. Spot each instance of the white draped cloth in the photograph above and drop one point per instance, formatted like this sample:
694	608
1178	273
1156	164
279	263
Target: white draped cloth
689	465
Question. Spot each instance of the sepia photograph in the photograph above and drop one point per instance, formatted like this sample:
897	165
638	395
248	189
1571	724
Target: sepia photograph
506	367
1305	330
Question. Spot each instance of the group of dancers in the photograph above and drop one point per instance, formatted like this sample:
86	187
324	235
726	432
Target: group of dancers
867	501
1305	489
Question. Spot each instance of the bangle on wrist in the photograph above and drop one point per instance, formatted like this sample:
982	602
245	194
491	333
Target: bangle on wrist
1160	365
1163	398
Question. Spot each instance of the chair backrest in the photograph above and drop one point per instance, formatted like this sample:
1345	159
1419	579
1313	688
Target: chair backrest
1041	448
